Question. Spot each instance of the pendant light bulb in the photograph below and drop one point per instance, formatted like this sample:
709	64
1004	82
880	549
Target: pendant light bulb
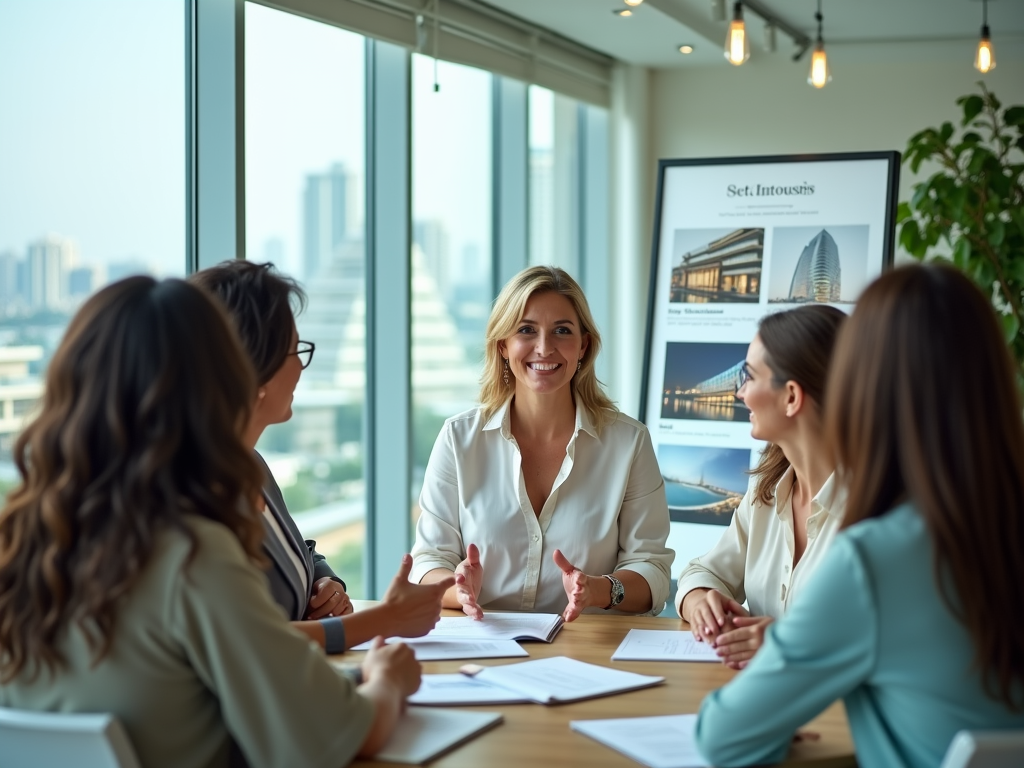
820	75
985	58
633	3
737	44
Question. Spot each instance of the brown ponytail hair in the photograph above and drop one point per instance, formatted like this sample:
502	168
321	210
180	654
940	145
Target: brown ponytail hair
143	410
923	407
798	347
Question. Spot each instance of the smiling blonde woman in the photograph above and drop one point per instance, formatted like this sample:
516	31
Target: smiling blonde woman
545	497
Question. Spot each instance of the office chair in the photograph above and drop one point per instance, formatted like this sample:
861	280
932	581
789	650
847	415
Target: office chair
49	740
985	749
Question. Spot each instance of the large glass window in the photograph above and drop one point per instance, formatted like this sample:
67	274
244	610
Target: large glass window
305	163
554	180
451	252
92	186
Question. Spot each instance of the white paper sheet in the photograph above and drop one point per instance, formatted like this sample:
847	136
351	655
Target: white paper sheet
561	679
431	649
662	645
423	734
499	626
665	741
461	690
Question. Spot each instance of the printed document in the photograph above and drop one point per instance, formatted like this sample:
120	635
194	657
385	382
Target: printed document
423	734
461	690
665	741
431	649
663	645
560	679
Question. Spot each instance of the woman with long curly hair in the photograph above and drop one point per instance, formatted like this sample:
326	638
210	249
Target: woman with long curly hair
913	617
128	554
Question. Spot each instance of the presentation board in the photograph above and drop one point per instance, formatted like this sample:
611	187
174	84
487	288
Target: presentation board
736	239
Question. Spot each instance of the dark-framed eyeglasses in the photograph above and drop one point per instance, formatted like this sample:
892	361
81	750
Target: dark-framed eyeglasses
743	376
304	351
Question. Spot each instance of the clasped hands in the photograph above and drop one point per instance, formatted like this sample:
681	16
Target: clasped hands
469	576
726	625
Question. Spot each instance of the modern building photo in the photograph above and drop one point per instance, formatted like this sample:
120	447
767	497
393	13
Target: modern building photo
717	266
701	381
818	264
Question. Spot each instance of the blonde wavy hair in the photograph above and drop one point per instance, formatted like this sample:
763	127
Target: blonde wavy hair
505	316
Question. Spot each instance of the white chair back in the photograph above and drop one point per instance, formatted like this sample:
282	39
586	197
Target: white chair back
985	749
53	740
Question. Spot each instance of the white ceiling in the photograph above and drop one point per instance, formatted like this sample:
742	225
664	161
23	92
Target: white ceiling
652	36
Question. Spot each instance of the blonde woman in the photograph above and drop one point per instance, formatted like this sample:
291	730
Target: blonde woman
545	497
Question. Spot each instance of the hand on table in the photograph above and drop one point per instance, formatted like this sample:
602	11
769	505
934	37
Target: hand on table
469	577
576	585
395	663
414	608
710	615
328	599
737	646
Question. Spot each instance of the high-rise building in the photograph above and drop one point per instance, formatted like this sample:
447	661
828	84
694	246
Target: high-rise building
431	236
81	282
817	276
727	269
328	212
49	262
9	288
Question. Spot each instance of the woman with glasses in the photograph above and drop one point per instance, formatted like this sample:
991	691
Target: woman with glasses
260	302
914	616
791	511
129	552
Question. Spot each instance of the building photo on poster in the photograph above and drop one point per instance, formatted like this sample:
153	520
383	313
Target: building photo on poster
736	239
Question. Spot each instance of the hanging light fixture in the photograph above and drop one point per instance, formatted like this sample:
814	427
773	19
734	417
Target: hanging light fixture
633	3
737	44
985	58
820	75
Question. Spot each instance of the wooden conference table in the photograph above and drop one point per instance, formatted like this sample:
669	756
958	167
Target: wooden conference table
533	735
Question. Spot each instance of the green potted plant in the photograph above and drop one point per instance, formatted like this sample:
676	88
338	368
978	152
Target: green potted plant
971	210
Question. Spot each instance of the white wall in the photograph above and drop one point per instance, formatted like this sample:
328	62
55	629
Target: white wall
766	106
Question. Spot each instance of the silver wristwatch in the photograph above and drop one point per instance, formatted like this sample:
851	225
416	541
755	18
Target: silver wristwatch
618	591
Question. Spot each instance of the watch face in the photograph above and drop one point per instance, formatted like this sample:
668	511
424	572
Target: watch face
617	591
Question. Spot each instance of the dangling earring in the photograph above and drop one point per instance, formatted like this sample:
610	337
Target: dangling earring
504	376
579	364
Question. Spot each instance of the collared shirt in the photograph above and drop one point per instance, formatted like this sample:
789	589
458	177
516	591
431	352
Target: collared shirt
753	561
871	628
606	511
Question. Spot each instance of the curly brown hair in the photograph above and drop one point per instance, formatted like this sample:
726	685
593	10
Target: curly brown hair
144	406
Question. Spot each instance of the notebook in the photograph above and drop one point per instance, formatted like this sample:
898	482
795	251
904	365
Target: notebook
663	741
663	645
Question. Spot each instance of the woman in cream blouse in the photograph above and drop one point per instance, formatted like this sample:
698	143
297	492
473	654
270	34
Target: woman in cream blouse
791	511
545	498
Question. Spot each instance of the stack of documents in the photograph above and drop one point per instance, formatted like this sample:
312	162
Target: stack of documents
664	741
494	637
423	734
663	645
557	680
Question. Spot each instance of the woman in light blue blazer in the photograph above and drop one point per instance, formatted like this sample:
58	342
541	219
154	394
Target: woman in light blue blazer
914	617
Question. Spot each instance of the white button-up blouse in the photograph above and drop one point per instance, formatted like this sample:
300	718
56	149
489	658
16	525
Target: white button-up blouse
606	511
753	561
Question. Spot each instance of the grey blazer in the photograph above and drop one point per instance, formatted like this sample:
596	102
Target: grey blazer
285	584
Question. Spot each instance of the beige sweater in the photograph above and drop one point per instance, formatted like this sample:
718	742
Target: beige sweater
201	655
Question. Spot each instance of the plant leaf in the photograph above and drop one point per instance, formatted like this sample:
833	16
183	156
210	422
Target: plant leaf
972	107
903	212
1011	327
1014	116
962	253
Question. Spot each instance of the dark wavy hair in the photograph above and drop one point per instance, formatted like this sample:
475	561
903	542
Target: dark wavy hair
144	406
798	347
923	407
262	304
